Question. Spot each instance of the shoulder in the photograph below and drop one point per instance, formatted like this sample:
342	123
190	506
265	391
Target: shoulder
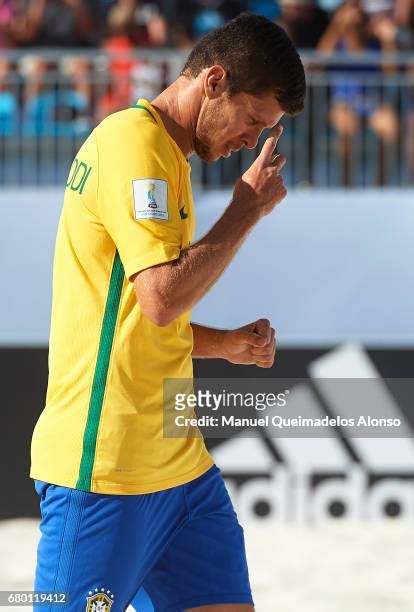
132	127
133	134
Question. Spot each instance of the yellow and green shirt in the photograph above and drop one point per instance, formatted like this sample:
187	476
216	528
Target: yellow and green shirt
128	206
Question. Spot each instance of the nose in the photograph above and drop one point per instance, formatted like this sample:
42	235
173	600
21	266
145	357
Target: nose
251	139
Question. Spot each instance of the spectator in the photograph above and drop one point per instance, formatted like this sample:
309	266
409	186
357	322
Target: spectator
9	106
197	17
404	38
78	94
404	15
354	101
117	41
55	112
117	89
381	23
35	71
267	8
304	21
8	14
148	80
55	23
150	28
129	78
392	23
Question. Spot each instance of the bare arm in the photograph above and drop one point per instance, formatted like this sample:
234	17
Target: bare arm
342	24
168	290
402	12
208	341
329	39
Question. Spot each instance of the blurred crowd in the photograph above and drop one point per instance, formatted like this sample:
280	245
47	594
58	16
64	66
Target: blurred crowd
179	23
68	95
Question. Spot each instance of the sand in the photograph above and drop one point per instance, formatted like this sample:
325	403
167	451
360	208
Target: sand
334	567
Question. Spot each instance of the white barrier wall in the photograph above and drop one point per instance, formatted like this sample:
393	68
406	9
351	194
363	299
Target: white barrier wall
325	267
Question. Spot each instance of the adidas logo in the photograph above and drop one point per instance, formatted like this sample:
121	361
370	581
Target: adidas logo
314	479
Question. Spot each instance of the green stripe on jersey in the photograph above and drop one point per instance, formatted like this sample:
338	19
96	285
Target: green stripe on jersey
101	374
145	108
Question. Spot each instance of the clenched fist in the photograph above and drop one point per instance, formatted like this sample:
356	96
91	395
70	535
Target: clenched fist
252	344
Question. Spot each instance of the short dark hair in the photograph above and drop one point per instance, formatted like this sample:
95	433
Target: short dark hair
258	57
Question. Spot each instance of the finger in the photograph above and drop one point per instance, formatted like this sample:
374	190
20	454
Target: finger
262	327
265	361
265	364
270	343
254	339
270	143
265	351
278	161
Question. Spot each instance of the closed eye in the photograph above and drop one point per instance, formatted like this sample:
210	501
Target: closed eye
253	121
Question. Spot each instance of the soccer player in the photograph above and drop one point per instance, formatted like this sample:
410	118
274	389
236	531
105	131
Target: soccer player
123	507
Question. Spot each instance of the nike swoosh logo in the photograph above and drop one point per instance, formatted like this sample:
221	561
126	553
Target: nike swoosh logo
183	214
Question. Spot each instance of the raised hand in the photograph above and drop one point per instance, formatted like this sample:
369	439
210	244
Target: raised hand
261	185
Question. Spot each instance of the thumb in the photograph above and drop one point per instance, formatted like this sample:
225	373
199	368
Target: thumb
270	143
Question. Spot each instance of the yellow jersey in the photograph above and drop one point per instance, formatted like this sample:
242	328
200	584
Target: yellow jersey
128	206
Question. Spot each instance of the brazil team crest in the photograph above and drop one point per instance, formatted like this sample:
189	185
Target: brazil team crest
99	601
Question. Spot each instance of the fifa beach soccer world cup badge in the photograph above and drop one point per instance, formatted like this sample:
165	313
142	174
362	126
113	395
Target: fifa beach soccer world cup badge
99	601
150	199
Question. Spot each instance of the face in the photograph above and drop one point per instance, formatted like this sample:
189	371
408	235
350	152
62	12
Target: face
226	124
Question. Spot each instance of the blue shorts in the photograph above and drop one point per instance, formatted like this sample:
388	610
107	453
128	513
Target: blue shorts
163	552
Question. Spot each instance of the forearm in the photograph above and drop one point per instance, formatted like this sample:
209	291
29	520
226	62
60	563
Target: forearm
168	290
329	40
180	284
202	264
208	342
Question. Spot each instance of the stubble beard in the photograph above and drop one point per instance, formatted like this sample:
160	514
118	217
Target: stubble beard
203	151
206	126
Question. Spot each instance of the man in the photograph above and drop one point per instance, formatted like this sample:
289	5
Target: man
122	506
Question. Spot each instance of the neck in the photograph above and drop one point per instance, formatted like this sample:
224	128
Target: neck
177	107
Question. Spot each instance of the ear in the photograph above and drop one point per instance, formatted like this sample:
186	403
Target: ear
215	81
